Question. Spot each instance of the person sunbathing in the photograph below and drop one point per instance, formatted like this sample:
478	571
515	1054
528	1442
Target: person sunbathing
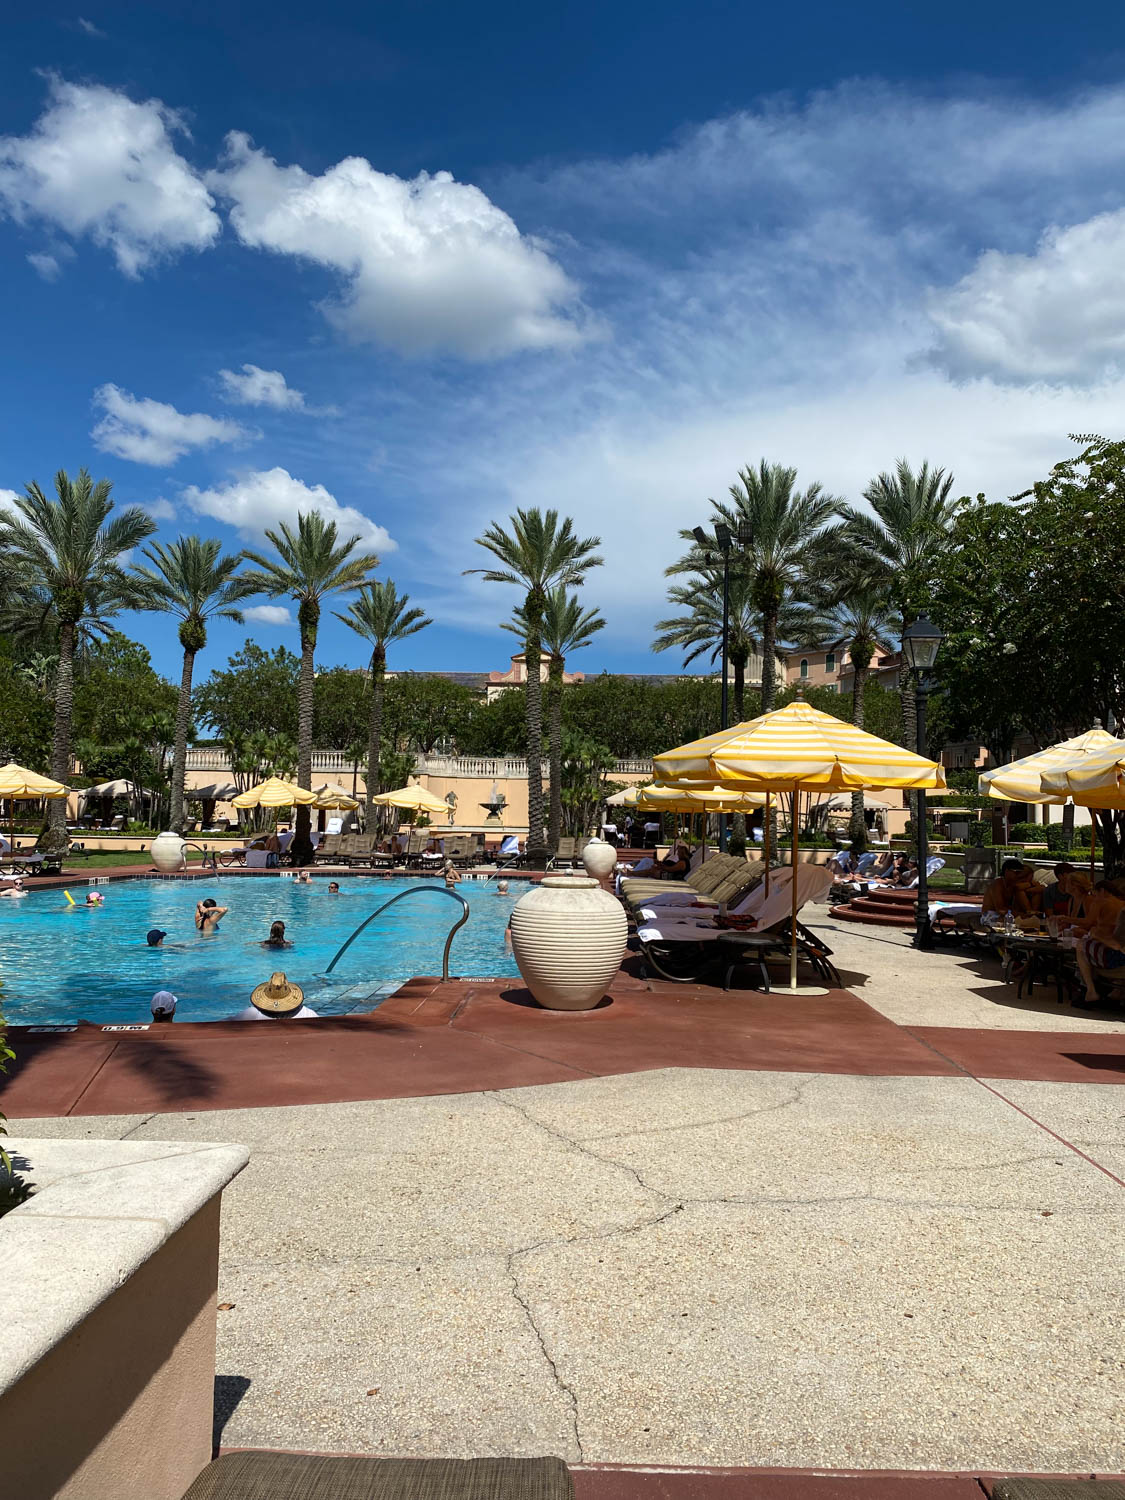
1014	890
1103	947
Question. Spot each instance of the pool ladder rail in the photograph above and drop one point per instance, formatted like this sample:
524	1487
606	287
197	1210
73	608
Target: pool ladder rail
424	890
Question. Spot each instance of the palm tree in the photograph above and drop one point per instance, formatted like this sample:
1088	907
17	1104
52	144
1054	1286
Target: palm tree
381	616
784	535
64	558
864	623
310	564
192	580
906	536
537	555
567	627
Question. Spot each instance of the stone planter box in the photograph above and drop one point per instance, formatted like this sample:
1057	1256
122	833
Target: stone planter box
107	1344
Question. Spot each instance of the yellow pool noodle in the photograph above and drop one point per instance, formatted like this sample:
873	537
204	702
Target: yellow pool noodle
70	898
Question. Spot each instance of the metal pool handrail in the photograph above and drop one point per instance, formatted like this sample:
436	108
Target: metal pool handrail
208	859
425	890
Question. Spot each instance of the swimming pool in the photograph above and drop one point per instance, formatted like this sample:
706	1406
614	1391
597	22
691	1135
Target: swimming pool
60	963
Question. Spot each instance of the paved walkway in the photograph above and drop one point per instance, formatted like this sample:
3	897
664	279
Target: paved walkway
685	1266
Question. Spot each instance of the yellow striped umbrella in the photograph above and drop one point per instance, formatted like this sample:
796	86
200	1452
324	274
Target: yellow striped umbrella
1095	779
413	799
19	784
794	749
329	797
693	797
1027	779
274	792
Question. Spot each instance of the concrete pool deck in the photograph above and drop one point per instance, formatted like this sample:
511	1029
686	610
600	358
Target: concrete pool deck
690	1228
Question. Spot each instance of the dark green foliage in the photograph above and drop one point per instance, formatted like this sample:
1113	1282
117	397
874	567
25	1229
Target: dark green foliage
257	693
421	712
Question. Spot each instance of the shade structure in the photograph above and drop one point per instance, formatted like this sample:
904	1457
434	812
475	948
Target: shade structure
842	802
693	798
1094	779
626	798
797	749
214	791
274	793
22	785
120	786
331	797
1025	780
413	799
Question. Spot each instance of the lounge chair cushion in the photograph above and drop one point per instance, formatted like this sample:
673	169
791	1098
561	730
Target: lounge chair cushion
306	1476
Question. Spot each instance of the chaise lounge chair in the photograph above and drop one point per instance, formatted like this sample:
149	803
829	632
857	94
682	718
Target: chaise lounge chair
682	948
312	1476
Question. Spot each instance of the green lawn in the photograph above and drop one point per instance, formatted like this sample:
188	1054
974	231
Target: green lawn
101	861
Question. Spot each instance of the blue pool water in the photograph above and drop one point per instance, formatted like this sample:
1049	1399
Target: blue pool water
60	963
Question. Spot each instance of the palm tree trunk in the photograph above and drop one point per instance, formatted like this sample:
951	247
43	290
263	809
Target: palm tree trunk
179	752
375	733
554	702
769	657
300	849
857	828
536	850
906	689
56	840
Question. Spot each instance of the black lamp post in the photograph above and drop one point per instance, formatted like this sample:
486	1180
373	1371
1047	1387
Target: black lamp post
921	643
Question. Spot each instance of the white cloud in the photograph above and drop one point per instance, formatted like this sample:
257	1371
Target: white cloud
1058	314
8	500
159	509
47	266
258	387
265	497
96	163
153	432
269	614
428	265
90	29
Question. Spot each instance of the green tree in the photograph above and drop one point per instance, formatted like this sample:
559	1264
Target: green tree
192	580
496	728
537	554
422	711
27	716
382	617
567	627
257	693
785	535
311	564
64	559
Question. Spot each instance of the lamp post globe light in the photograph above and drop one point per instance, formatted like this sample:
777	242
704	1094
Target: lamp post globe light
921	643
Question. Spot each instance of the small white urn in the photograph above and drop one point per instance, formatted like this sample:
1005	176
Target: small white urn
599	858
167	850
568	938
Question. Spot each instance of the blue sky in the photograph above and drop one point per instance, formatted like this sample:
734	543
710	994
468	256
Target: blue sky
420	264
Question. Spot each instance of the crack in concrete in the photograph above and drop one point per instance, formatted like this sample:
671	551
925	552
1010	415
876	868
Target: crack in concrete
140	1125
567	1390
746	1114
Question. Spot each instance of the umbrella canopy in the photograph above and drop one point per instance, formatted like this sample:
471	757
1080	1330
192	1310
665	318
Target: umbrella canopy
1025	780
413	799
842	802
20	784
214	791
120	786
692	798
329	796
799	749
626	798
1095	779
274	793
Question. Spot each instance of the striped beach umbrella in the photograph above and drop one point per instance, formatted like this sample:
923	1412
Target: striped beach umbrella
1030	779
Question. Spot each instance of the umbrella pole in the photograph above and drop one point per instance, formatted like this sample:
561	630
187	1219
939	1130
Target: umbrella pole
766	839
793	887
1093	840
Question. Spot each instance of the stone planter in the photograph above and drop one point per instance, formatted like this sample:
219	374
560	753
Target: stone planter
599	859
167	850
568	938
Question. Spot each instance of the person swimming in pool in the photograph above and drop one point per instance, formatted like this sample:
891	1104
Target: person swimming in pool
208	914
277	938
333	887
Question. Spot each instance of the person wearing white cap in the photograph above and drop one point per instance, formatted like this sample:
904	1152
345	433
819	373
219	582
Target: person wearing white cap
278	999
163	1006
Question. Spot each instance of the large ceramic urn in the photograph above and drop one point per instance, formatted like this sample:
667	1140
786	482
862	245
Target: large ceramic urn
599	858
568	938
167	850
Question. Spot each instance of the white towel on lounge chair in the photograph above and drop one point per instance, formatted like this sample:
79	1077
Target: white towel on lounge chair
812	883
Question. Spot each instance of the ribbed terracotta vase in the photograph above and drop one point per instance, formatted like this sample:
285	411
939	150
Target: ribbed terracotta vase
599	858
568	938
167	850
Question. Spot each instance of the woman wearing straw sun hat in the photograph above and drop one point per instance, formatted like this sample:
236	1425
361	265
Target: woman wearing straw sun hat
278	999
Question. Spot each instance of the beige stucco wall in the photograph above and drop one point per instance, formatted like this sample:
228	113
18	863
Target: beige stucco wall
122	1407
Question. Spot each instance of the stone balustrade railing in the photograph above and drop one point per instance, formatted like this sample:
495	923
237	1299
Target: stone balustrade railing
482	767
